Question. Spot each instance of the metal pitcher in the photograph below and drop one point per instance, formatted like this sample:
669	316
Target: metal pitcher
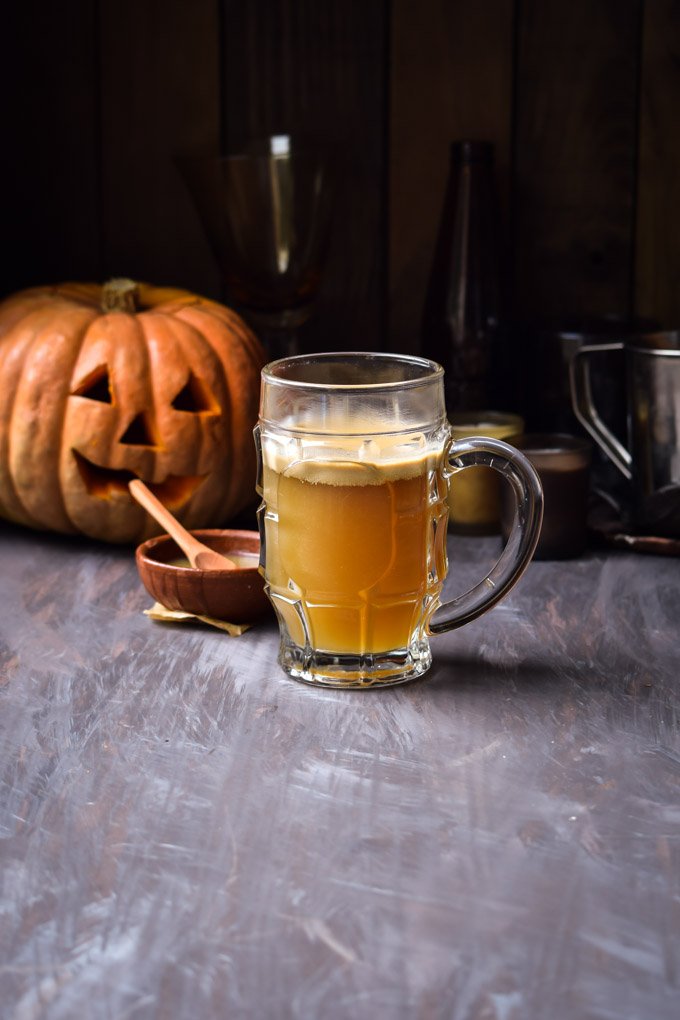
652	460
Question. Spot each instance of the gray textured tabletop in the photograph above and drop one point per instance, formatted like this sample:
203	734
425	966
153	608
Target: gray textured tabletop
185	833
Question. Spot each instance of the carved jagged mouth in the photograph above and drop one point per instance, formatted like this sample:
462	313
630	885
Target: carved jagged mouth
103	482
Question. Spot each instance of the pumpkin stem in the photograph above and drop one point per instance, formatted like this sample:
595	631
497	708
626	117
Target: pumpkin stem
120	295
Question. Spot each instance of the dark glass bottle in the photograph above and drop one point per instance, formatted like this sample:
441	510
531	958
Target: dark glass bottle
462	313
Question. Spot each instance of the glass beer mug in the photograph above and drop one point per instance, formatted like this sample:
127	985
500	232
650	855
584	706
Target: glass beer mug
354	457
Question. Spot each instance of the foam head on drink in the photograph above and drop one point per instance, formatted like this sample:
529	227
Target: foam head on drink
355	537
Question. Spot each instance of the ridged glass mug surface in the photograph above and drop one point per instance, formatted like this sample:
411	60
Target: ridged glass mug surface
354	458
355	533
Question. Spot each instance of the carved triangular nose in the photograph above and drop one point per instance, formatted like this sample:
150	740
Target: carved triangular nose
139	432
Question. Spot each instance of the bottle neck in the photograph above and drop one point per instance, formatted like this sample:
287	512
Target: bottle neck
466	151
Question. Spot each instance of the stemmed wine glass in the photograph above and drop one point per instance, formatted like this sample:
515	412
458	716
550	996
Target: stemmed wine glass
266	211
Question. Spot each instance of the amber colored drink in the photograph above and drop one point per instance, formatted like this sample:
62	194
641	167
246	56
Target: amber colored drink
356	552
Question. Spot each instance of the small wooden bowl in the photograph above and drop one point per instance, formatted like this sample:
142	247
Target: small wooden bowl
234	595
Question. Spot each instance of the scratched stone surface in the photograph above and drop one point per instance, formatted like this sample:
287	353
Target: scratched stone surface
187	834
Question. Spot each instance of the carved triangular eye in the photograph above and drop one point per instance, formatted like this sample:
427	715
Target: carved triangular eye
95	386
139	432
195	397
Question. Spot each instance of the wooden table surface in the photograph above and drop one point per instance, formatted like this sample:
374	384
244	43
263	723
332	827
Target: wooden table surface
185	833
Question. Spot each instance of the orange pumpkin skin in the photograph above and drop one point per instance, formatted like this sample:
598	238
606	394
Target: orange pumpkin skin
165	390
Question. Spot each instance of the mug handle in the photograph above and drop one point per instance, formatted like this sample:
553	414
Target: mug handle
519	548
585	410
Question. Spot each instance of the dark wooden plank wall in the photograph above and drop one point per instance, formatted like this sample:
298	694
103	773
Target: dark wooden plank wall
451	78
575	155
581	99
320	69
159	97
657	251
49	183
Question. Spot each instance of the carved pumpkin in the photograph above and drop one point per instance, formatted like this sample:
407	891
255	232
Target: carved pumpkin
102	385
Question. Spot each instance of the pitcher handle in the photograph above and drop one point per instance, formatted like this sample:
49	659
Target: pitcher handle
523	537
585	410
